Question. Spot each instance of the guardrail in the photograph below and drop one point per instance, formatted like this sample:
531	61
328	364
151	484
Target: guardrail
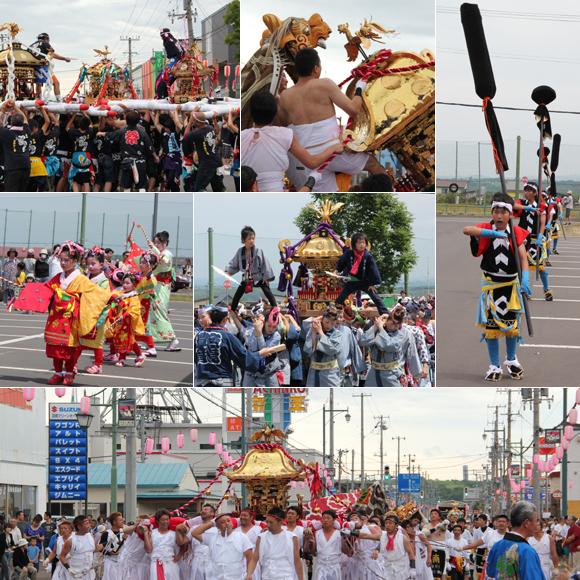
475	209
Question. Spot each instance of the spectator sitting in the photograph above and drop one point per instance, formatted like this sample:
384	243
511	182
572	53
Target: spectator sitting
34	553
22	563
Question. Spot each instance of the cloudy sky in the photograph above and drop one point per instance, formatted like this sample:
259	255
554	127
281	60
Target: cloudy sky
532	44
273	220
415	25
442	428
60	212
76	27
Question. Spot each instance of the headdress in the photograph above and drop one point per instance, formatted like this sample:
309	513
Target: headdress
118	275
258	308
72	247
94	251
331	312
217	309
508	206
274	315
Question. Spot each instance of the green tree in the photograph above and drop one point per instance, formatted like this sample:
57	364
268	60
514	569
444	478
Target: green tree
384	220
232	17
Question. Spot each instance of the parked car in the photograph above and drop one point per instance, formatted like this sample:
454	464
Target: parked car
179	283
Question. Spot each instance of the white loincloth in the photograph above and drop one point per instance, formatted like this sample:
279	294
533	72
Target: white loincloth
316	137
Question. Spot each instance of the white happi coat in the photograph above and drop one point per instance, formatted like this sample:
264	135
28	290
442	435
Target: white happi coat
544	552
81	552
361	566
60	571
200	567
424	572
277	556
112	569
227	555
164	550
252	534
328	556
132	558
396	564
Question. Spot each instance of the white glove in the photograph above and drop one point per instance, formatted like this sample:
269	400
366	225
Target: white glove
438	526
345	532
412	573
46	563
361	85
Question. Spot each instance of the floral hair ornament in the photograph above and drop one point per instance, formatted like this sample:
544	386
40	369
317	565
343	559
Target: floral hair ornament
71	247
274	315
95	250
118	275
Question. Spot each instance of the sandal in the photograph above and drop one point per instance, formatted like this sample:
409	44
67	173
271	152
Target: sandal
548	295
493	374
94	370
120	363
139	360
515	369
55	380
111	357
68	380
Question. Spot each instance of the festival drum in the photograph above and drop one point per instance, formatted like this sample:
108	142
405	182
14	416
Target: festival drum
398	113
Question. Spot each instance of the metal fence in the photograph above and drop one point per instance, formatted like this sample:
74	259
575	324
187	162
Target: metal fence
43	229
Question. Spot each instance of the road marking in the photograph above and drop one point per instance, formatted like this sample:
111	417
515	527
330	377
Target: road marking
36	327
556	268
114	377
20	339
548	346
551	318
557	276
540	286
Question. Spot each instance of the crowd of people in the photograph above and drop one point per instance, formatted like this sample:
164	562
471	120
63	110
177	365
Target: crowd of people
282	545
345	346
95	300
135	151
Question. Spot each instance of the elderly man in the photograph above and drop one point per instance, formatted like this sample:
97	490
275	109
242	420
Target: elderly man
573	543
513	557
277	551
230	553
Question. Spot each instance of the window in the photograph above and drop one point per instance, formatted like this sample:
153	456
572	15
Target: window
206	446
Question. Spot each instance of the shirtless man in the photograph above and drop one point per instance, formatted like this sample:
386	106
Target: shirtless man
437	538
308	108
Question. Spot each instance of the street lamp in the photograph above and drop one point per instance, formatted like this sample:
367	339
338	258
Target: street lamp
84	422
324	411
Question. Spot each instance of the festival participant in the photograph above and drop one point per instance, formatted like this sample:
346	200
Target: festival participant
171	133
95	261
436	533
423	549
546	547
248	179
572	542
215	350
42	44
264	334
230	553
323	345
531	211
65	529
265	147
38	173
277	551
111	542
362	272
15	142
135	148
81	546
81	173
162	545
327	545
419	339
552	228
204	138
125	322
247	525
257	272
500	303
291	358
378	182
458	564
161	328
386	340
174	52
146	287
133	563
233	124
76	307
394	547
490	536
513	553
308	108
361	564
350	359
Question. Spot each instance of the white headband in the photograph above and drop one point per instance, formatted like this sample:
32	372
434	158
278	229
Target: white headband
532	186
508	206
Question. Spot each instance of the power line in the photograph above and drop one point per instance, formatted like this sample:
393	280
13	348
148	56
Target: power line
505	108
519	15
516	56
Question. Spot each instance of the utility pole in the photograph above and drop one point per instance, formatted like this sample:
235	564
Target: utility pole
508	448
362	437
398	465
564	488
381	425
190	15
210	249
130	52
131	468
83	219
535	468
352	473
331	435
340	452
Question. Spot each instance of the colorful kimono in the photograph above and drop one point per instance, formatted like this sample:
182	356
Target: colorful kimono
147	284
93	340
124	321
74	312
161	328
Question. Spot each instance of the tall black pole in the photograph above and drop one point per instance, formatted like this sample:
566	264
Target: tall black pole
539	215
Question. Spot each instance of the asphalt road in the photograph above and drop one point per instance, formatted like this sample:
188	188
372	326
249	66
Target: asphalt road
23	360
548	358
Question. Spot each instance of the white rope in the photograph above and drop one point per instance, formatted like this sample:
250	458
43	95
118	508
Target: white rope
11	76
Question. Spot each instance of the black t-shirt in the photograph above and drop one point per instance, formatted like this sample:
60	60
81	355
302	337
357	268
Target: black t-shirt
233	136
134	142
101	145
81	141
42	46
64	140
205	144
115	546
51	142
16	145
37	143
49	528
165	141
171	48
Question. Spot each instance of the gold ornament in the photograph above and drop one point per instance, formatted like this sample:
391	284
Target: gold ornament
207	492
227	496
289	260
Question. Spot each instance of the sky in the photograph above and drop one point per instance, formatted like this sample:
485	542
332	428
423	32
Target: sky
76	27
273	220
416	27
440	428
56	216
531	45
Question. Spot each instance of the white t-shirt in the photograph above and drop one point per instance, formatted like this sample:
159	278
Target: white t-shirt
491	537
452	544
267	155
557	529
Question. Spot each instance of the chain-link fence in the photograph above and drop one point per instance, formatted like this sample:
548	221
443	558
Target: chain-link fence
43	229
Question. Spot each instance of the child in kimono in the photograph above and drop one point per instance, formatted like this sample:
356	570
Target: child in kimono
147	284
256	269
74	312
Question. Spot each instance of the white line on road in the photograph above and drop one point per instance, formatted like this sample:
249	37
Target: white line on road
115	377
20	339
571	287
548	346
552	318
558	276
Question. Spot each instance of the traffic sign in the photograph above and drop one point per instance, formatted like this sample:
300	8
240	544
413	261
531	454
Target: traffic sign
524	180
227	283
409	483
